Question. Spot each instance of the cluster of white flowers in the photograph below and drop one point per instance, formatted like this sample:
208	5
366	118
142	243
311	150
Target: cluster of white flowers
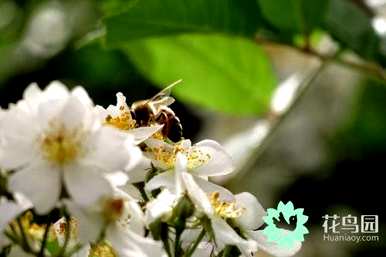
80	180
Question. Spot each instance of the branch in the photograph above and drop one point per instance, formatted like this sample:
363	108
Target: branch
277	121
367	67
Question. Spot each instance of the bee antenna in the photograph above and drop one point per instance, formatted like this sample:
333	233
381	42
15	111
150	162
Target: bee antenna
172	85
175	83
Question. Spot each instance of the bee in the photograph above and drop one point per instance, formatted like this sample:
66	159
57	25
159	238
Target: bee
156	110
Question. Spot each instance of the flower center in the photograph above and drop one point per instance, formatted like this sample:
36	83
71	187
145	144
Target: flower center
61	146
124	121
224	209
62	228
102	249
113	209
196	158
167	156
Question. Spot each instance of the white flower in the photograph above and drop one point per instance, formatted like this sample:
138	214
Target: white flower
119	116
204	159
248	216
60	228
252	218
216	209
55	136
116	214
9	210
134	245
161	207
16	251
218	204
124	227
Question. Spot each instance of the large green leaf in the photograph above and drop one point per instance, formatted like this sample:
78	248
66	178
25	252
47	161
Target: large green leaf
351	26
228	74
165	17
294	15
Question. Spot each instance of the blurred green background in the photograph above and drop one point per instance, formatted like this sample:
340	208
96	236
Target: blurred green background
294	89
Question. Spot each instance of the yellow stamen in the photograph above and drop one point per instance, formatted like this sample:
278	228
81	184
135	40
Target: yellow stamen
123	121
167	156
61	146
196	158
102	250
224	209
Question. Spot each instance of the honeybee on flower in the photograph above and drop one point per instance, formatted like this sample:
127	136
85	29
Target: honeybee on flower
116	181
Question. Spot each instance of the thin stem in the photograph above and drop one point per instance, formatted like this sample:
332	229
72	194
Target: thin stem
177	244
44	241
24	238
73	250
165	240
368	67
191	250
167	247
67	237
13	237
278	121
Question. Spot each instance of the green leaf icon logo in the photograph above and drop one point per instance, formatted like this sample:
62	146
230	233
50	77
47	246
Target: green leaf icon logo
285	225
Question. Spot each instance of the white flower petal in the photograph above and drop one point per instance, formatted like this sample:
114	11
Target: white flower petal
4	240
132	191
11	209
82	95
142	133
19	132
253	212
112	150
204	249
138	173
89	223
117	179
137	217
73	114
225	235
164	179
272	248
220	162
135	156
86	185
160	207
156	143
180	168
40	183
129	244
210	187
16	251
56	90
196	194
33	95
83	252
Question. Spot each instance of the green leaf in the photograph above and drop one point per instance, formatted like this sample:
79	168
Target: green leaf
352	27
166	17
294	15
228	74
114	7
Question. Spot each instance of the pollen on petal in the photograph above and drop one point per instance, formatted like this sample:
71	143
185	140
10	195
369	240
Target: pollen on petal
224	209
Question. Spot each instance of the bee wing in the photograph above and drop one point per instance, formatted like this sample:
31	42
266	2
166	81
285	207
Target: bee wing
163	98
